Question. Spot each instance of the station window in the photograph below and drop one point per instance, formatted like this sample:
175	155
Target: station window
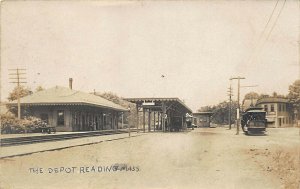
272	108
60	118
266	108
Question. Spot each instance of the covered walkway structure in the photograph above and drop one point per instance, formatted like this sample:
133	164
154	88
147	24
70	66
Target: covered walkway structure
163	114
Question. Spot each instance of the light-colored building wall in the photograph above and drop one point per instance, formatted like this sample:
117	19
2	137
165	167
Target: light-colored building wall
278	114
106	119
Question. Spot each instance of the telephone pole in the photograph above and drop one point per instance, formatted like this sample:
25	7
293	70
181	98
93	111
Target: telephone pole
230	101
18	78
238	108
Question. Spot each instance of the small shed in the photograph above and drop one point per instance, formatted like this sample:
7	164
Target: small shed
202	119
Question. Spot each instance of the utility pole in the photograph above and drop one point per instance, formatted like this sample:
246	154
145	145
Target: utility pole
18	78
238	108
230	100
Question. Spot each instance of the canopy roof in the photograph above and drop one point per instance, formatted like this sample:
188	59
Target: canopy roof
66	96
175	100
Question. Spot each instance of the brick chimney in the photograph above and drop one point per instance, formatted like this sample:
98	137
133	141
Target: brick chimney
70	83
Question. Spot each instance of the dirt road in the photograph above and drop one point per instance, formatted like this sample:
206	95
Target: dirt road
203	158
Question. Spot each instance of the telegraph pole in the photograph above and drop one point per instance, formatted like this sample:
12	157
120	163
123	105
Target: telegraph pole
238	108
18	78
230	100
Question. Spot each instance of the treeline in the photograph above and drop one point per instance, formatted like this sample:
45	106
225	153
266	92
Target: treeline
221	112
130	117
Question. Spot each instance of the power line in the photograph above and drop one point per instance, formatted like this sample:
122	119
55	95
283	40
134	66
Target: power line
260	47
262	33
276	20
267	24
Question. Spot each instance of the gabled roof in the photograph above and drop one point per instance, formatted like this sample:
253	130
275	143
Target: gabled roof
66	96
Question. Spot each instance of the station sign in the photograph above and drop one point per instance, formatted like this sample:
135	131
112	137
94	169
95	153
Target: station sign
148	104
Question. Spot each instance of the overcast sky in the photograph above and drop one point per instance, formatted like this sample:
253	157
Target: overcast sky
126	47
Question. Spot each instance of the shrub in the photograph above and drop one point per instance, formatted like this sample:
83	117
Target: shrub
10	124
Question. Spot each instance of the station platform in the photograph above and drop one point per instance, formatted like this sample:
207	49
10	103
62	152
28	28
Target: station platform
19	150
4	136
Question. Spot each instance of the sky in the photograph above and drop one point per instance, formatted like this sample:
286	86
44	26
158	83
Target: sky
125	47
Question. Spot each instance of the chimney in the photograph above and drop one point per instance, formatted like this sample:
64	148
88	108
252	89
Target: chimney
70	83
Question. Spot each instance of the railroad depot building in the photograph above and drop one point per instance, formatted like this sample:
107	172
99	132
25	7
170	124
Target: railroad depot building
279	112
70	110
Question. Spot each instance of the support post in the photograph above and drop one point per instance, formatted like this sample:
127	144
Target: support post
122	120
149	120
118	115
182	122
137	117
144	120
154	120
164	116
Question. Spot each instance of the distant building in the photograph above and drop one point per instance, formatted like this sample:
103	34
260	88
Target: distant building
71	110
279	111
202	119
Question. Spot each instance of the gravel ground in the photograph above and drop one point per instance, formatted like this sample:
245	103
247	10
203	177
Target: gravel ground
202	158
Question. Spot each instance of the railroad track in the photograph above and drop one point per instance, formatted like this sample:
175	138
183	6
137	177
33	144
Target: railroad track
5	142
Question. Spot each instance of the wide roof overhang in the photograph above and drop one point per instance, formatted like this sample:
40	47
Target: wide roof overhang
69	104
175	102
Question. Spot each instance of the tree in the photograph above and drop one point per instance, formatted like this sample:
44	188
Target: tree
129	117
294	96
205	109
251	95
24	91
294	93
221	112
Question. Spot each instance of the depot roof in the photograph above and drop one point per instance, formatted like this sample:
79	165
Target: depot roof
66	96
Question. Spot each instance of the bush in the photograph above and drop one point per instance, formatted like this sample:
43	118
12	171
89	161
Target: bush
12	125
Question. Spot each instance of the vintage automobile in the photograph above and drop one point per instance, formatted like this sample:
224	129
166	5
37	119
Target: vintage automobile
254	120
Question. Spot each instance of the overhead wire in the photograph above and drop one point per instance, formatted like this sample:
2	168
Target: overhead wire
257	52
276	20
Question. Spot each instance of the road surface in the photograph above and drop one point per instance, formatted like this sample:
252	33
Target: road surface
202	158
